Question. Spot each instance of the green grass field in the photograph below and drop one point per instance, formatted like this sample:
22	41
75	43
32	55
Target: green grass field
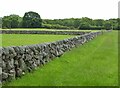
44	29
93	64
26	39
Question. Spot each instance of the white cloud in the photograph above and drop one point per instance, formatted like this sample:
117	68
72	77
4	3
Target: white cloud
50	9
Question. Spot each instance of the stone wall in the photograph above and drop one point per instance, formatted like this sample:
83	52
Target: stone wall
16	61
42	32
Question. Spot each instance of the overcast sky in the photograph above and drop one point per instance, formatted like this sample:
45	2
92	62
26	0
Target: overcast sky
59	9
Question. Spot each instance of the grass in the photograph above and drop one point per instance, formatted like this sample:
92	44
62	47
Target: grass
44	29
93	64
0	40
25	39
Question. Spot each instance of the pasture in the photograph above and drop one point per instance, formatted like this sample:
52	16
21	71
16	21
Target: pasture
27	39
92	64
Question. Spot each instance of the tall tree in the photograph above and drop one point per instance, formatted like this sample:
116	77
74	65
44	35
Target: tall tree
31	20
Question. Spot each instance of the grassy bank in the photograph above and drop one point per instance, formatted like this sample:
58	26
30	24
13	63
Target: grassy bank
93	64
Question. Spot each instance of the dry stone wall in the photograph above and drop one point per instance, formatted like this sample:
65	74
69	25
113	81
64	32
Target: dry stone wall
42	32
16	61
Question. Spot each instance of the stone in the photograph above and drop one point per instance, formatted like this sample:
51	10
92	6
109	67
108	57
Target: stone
22	65
0	74
10	64
28	57
16	62
18	72
11	75
4	75
3	65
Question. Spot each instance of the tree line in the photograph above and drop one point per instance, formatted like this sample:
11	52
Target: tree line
85	23
33	20
0	22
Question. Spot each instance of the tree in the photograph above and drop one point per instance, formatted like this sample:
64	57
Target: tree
114	23
6	22
11	21
98	22
84	25
0	22
76	23
87	20
118	20
14	21
108	25
31	20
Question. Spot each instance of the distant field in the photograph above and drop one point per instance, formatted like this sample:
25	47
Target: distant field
93	64
42	29
26	39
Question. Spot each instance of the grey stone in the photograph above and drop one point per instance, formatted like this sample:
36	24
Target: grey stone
22	65
19	72
4	75
11	75
16	62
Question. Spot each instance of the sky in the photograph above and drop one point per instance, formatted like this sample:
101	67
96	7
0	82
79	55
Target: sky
60	9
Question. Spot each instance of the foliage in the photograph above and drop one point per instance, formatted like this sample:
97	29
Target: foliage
118	23
98	22
84	25
11	21
108	25
31	20
0	22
